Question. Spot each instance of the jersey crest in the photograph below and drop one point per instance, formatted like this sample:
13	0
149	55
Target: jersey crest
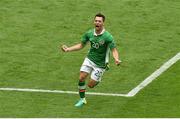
101	42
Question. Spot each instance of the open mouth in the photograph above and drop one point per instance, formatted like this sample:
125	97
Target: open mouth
97	26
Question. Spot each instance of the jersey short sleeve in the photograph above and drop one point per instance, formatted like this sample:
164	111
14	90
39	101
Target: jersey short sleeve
85	38
111	43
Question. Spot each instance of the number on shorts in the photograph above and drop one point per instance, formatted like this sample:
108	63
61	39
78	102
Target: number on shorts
98	73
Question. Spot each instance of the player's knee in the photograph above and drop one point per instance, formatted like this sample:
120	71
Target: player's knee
82	78
91	86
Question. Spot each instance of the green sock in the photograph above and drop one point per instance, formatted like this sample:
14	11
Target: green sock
82	89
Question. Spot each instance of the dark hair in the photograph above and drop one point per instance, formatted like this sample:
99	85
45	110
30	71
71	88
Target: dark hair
100	15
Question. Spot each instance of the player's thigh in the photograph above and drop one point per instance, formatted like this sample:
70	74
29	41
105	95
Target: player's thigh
84	71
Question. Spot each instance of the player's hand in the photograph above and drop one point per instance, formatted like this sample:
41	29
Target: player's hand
64	48
117	62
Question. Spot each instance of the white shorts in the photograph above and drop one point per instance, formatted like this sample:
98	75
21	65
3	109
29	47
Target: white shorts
90	67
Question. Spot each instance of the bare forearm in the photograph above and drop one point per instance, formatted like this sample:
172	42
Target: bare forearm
72	48
75	47
116	56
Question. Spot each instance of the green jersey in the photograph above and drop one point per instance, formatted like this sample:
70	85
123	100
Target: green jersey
100	45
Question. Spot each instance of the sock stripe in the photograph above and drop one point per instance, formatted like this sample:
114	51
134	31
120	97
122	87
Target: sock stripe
82	87
82	90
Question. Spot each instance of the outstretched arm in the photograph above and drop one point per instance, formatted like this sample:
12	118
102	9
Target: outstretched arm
72	48
116	56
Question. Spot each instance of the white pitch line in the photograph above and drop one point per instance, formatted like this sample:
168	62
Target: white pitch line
59	91
132	93
154	75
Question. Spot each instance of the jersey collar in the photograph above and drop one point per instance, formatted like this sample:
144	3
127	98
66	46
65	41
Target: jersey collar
100	33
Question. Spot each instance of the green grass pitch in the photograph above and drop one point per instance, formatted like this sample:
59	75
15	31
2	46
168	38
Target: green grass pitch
147	33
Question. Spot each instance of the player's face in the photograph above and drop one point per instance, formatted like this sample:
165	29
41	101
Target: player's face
98	23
